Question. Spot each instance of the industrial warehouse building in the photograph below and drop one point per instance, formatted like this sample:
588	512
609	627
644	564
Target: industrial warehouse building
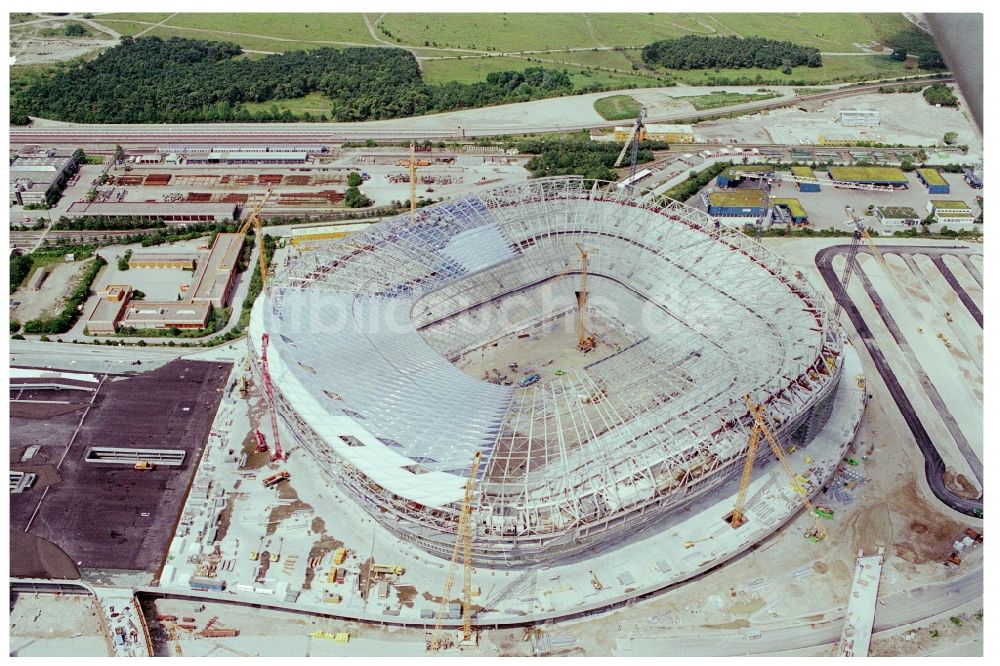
212	285
737	204
974	177
36	179
805	172
297	157
658	132
165	314
169	212
794	209
858	117
933	181
897	216
732	176
950	211
216	276
182	260
104	315
884	176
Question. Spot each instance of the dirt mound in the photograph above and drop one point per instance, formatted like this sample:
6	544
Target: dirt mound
872	529
928	535
820	567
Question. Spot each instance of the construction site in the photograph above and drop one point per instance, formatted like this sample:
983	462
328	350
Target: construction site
546	416
567	406
640	422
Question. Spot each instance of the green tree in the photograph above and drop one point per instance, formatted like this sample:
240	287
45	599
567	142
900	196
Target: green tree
940	93
899	54
354	179
75	30
931	60
950	138
353	198
123	261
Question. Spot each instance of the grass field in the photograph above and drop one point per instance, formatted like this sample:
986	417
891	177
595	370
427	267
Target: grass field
39	30
123	27
314	103
142	17
723	98
834	69
470	70
436	35
617	107
344	28
265	44
512	32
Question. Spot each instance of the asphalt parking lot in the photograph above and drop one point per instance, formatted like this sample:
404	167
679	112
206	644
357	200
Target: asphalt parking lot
103	516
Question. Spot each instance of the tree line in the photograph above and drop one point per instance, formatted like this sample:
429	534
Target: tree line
177	80
591	159
88	223
695	52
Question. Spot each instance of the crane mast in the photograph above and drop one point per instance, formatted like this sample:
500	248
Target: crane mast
269	394
741	496
413	182
463	544
633	140
583	343
254	219
757	413
852	253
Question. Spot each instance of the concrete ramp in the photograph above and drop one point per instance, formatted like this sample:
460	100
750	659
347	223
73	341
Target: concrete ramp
857	634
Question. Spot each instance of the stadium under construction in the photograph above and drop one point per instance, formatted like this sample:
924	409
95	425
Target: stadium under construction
591	346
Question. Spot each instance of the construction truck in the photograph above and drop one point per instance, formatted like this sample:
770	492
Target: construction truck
261	446
244	386
144	466
274	479
395	569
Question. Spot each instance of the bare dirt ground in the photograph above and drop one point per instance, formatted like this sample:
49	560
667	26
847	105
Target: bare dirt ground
47	301
959	633
50	625
40	41
545	352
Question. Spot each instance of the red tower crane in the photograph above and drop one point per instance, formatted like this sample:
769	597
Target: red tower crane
269	394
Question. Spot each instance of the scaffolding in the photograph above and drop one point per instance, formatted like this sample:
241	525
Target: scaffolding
708	314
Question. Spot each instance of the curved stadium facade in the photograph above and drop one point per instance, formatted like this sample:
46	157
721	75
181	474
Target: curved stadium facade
367	337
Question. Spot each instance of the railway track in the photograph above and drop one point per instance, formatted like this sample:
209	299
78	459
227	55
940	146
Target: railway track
104	137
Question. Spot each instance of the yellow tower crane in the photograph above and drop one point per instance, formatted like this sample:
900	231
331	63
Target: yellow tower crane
760	427
413	182
583	343
254	219
463	542
741	496
174	638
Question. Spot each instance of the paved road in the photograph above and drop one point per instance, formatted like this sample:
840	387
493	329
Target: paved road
560	114
934	466
894	610
959	289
